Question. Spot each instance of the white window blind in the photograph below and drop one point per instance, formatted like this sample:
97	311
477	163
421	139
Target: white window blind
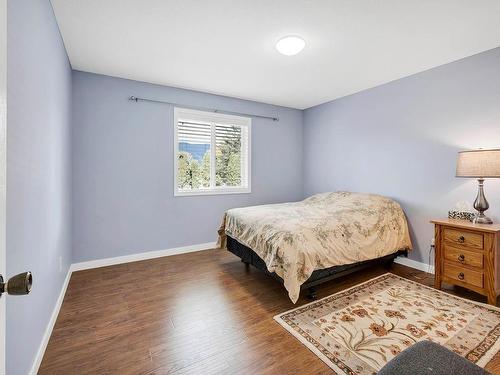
212	153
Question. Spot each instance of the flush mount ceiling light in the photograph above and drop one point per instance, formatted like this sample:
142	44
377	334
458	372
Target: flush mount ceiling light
290	45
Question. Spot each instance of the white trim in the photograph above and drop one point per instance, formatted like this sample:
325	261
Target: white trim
141	256
102	263
50	326
215	118
246	143
3	174
215	191
415	264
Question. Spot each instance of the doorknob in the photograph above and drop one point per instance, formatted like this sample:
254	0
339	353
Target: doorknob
17	285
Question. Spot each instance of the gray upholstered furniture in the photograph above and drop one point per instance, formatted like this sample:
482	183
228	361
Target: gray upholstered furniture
428	358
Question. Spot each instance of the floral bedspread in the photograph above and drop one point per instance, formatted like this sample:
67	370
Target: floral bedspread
322	231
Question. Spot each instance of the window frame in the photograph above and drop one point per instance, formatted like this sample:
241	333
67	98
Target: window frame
212	118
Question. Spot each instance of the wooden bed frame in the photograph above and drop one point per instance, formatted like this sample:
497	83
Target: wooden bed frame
248	256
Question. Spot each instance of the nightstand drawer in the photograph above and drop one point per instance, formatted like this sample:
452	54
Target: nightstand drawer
463	275
463	238
460	256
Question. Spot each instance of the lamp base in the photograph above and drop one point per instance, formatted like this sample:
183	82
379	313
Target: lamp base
481	219
481	205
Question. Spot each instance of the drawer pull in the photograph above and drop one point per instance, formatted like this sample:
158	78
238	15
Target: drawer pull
461	258
461	239
461	276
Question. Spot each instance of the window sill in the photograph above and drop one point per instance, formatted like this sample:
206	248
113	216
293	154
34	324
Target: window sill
185	193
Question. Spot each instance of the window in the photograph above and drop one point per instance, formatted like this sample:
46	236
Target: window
211	153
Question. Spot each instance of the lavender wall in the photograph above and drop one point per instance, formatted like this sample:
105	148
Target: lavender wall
123	199
104	186
401	140
38	173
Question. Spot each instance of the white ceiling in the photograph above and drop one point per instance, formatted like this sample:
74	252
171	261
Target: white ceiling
227	46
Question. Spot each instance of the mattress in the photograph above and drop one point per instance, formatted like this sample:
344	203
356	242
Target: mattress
322	231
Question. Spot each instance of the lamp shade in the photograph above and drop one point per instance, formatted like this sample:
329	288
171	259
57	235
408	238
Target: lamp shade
479	163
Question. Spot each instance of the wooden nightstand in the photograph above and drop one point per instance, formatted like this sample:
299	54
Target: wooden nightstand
468	255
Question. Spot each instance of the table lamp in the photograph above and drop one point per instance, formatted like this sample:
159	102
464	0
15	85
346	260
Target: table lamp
479	164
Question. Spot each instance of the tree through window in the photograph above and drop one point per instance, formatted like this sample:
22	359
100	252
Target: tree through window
212	153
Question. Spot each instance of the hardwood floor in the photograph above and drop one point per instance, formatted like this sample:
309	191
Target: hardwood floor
196	313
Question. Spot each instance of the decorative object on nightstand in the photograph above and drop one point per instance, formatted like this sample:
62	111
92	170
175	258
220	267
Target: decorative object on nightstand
467	254
461	215
462	210
479	164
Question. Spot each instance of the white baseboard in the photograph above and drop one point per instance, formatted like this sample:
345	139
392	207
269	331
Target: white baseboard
141	256
102	263
414	264
50	326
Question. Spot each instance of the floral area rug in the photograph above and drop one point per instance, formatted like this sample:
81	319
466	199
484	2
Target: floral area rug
359	330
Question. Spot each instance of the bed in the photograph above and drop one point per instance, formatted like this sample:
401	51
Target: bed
318	239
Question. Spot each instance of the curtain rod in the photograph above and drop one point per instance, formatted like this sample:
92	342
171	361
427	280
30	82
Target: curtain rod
138	99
